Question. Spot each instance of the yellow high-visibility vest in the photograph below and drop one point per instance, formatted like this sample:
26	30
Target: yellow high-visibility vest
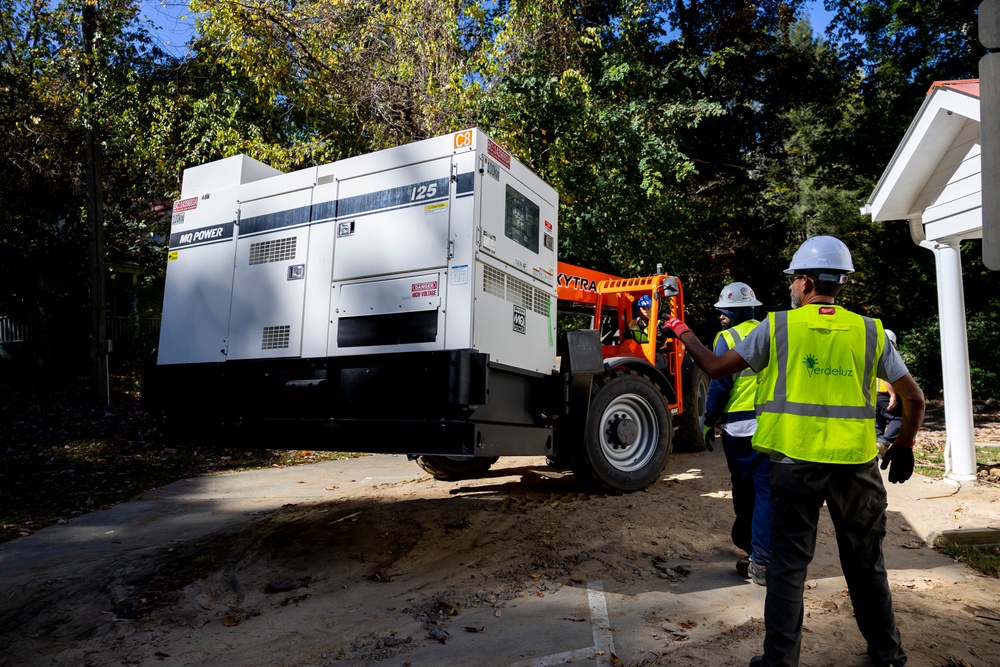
639	331
741	398
815	399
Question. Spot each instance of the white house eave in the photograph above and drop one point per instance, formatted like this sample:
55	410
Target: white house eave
941	117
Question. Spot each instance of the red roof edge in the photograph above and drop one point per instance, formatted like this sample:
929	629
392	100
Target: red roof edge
967	86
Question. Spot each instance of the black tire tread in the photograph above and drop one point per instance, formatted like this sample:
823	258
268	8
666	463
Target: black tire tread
449	469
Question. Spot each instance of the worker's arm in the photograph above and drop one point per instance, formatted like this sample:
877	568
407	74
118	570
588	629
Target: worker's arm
715	365
719	390
899	457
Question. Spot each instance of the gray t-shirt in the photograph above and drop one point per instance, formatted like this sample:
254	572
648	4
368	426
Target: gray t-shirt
755	350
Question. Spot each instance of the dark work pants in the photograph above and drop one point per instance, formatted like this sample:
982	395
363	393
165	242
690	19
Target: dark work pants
856	500
750	472
888	422
743	496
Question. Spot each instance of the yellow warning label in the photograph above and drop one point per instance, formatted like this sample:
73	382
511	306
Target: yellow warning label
434	208
172	255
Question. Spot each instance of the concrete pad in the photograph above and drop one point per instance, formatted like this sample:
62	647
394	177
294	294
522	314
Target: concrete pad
938	511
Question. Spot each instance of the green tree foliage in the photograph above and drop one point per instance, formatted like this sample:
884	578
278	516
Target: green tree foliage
589	103
352	76
901	47
758	162
45	107
711	136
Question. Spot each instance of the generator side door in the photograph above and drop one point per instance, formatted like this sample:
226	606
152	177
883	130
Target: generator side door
390	257
266	315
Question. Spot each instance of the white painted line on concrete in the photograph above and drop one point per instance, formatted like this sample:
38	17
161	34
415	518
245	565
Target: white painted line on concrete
604	644
558	658
603	640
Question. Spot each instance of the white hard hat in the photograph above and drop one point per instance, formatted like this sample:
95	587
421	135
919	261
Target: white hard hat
737	295
892	335
819	253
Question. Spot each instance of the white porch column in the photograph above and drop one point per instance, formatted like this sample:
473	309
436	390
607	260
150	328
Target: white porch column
960	447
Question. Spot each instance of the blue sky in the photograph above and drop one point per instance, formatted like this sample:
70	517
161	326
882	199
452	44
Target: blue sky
818	16
174	23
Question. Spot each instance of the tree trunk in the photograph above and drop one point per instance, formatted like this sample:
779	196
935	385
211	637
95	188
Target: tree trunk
95	218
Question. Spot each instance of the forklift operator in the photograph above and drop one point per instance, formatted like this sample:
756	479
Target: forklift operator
639	327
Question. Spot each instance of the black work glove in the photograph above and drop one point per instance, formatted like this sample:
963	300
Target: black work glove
901	460
710	438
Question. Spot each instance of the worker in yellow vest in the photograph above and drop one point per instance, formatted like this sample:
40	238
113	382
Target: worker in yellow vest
730	407
817	366
639	326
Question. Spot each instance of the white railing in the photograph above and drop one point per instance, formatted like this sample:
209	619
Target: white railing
18	329
132	327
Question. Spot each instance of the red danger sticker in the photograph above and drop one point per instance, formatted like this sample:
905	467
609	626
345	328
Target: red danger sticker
827	310
424	289
499	154
548	225
182	205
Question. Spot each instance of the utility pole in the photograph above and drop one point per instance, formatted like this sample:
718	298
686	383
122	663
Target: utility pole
989	129
95	211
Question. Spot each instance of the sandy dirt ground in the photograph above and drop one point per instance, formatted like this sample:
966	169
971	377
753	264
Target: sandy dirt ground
520	568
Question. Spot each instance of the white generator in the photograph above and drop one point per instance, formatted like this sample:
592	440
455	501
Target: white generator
376	294
443	244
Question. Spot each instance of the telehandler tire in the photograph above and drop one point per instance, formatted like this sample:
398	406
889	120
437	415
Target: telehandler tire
453	468
690	436
628	434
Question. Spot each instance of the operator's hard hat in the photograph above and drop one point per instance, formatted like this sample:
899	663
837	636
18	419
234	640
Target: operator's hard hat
737	295
892	336
823	253
644	301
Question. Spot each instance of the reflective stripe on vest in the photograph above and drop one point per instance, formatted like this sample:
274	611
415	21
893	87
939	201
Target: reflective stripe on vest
741	397
838	425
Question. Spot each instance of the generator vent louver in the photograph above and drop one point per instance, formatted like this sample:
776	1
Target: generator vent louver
275	338
518	292
276	250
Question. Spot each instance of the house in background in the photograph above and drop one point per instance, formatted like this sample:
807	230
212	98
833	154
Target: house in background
933	182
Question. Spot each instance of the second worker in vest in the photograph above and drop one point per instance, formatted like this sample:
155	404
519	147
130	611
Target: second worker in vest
888	410
817	367
730	407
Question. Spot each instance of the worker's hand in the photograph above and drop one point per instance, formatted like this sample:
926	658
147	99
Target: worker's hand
710	438
676	326
899	459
